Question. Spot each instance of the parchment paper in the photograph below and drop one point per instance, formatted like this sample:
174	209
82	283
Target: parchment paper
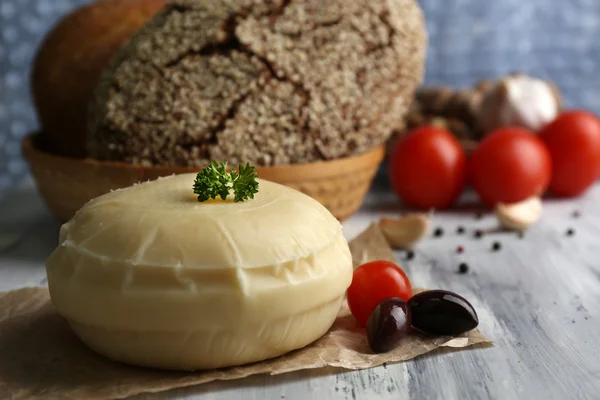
41	358
369	246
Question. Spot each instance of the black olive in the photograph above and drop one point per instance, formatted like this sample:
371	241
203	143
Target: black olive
388	324
440	312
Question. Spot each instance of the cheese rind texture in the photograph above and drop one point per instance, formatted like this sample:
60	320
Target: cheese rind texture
206	285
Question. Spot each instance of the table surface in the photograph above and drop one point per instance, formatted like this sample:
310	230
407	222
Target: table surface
538	298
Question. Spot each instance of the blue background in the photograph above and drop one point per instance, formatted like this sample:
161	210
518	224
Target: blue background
469	40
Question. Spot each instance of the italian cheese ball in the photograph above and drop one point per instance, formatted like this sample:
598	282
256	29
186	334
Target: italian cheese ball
149	276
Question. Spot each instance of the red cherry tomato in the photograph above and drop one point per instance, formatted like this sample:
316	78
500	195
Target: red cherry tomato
573	140
428	168
374	282
510	165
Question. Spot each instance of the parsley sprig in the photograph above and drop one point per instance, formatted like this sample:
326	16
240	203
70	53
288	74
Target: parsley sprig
214	181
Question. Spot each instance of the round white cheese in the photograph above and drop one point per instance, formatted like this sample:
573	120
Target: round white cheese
150	276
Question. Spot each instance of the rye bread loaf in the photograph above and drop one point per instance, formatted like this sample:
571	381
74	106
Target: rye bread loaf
266	81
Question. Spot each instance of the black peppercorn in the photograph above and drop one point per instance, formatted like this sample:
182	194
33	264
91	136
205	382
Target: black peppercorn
460	230
463	268
439	232
570	232
410	255
496	246
478	233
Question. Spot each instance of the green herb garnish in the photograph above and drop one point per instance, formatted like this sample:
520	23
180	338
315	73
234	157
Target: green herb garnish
214	181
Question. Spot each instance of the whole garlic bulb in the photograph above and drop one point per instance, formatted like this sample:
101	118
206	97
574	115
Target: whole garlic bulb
519	100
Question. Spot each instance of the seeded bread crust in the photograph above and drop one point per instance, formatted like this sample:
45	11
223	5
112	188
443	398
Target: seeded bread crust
266	81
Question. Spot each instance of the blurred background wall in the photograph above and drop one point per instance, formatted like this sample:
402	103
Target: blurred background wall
469	40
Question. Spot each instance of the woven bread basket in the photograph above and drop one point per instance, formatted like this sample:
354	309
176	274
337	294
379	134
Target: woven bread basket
66	184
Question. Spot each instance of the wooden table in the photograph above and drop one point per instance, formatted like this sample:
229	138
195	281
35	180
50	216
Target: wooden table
538	298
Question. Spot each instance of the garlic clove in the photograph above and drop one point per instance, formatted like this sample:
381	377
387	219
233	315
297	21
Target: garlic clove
519	216
406	232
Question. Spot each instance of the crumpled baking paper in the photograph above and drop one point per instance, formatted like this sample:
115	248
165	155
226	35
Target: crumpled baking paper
41	358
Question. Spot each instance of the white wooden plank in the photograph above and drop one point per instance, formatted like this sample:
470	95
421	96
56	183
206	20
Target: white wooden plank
538	298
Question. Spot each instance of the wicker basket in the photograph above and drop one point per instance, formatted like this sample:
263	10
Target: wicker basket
66	184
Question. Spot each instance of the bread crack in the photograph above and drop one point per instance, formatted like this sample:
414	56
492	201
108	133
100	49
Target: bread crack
232	43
